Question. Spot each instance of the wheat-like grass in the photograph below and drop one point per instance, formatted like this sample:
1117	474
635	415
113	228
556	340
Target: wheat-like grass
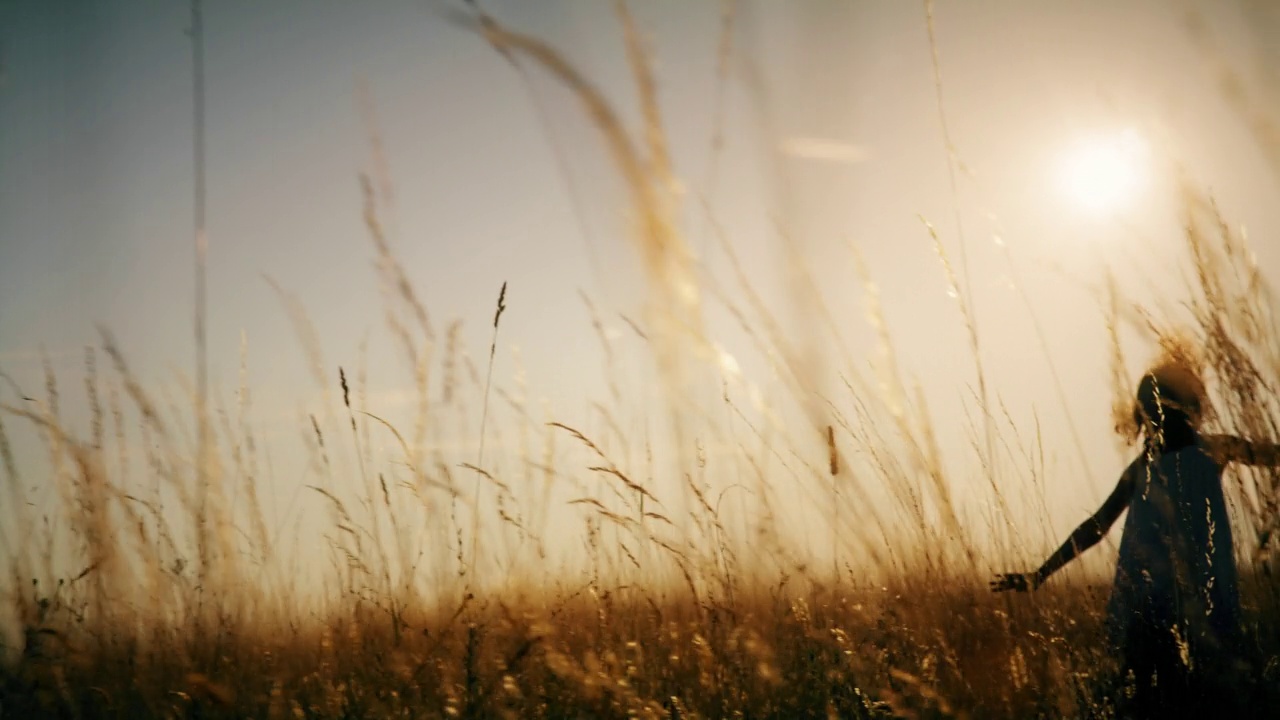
621	578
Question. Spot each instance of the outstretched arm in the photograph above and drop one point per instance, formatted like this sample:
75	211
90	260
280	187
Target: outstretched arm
1084	537
1231	449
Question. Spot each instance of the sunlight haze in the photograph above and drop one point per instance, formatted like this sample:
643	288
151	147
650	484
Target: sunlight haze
815	149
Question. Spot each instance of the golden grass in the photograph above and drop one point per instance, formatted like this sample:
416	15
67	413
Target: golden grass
156	595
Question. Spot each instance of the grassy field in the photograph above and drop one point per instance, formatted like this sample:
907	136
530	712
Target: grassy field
160	590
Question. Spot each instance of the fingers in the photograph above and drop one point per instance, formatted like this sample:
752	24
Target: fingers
1009	581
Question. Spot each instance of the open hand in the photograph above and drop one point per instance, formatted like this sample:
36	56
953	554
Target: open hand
1018	582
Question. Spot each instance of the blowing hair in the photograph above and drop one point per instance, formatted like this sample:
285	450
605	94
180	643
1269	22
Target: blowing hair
1169	406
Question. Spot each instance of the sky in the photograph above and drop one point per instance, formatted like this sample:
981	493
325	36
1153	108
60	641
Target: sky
832	138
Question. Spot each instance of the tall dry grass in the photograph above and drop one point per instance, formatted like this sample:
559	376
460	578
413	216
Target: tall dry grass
162	589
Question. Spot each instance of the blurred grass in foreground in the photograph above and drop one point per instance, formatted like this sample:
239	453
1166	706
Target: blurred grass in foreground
161	591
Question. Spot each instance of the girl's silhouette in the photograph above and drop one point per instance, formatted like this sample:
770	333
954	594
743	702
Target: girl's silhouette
1174	612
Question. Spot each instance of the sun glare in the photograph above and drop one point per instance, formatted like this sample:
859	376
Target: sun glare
1103	172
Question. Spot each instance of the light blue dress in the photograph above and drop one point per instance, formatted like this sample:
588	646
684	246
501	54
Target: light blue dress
1177	565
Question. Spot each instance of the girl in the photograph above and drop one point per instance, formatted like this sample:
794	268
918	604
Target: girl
1174	612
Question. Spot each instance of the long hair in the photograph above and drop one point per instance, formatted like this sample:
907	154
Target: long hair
1170	394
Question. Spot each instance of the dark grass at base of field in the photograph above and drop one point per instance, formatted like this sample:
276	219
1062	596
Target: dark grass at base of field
913	650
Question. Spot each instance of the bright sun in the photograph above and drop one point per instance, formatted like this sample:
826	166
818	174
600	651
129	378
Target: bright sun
1102	172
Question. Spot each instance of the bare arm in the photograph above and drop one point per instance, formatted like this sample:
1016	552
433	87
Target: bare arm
1231	449
1083	538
